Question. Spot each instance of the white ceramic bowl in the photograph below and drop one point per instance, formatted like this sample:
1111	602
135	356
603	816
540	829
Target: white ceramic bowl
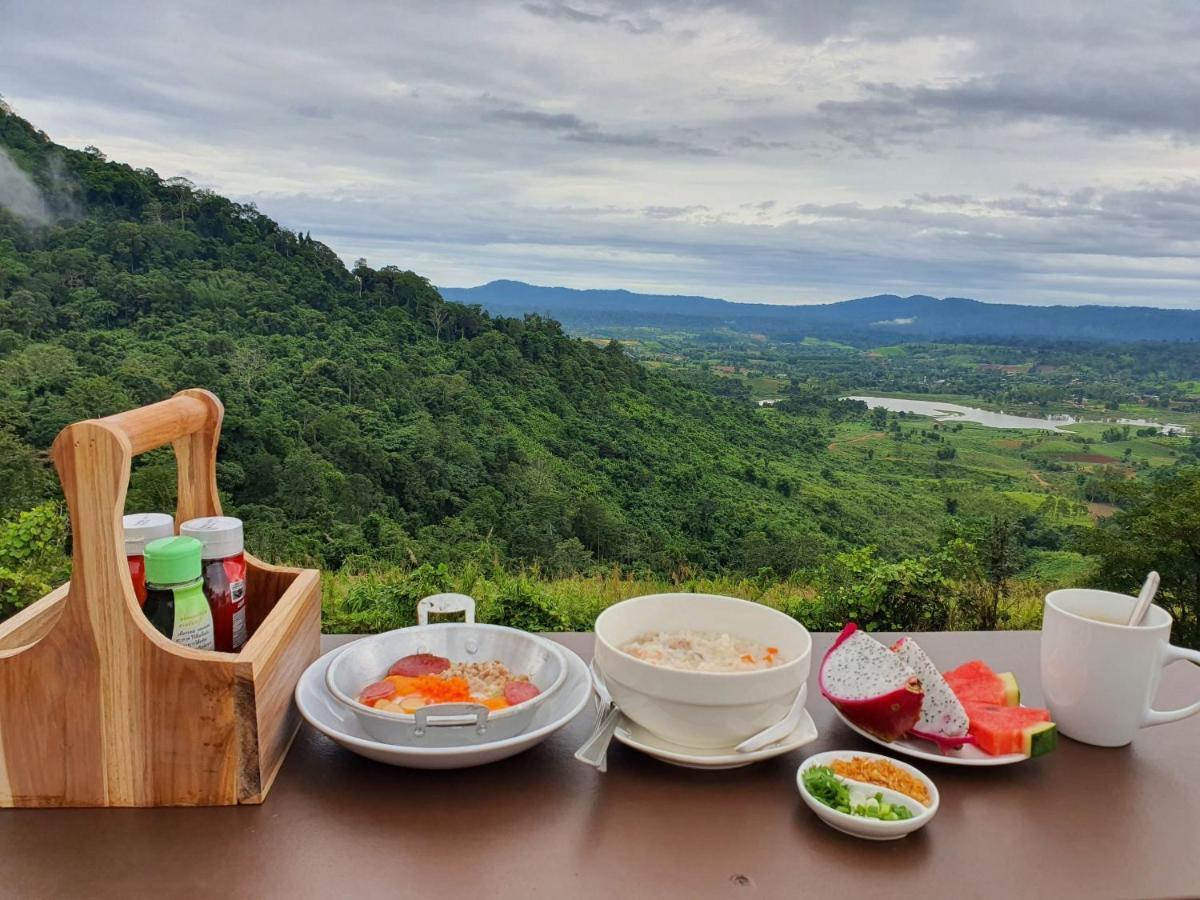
447	725
863	826
701	709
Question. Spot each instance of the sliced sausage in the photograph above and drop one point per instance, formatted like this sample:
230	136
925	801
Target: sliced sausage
419	664
519	691
380	690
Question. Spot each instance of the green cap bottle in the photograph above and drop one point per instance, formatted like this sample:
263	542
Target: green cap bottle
175	601
172	560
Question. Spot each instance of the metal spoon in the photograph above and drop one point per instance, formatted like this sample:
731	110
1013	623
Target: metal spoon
594	751
1145	598
780	729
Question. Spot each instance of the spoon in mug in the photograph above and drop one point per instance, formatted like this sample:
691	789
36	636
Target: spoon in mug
1145	598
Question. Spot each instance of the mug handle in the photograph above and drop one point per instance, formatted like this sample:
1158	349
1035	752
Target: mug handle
1153	716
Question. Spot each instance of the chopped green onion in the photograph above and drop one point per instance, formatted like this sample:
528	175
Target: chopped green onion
827	788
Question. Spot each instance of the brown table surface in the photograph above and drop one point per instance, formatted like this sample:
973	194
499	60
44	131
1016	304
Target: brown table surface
1082	821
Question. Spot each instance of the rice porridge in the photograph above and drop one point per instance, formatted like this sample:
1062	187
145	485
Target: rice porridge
702	651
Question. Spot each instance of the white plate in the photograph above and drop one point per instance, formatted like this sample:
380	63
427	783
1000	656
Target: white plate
966	755
864	826
634	735
332	719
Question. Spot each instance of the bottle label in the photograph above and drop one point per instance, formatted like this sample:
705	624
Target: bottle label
193	619
237	591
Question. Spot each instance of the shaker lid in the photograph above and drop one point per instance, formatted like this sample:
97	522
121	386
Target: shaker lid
221	536
172	560
142	528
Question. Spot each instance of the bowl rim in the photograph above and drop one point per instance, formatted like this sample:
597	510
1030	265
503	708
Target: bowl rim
851	821
650	667
410	719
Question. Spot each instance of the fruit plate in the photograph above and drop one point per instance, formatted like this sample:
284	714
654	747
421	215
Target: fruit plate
966	755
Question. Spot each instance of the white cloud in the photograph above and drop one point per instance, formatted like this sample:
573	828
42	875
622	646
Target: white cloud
754	149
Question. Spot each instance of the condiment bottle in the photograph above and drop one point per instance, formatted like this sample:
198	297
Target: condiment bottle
175	602
224	576
140	530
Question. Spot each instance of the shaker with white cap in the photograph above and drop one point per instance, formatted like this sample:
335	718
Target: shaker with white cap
141	529
224	565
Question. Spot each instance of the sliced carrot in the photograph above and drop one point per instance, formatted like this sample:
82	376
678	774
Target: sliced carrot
437	689
405	684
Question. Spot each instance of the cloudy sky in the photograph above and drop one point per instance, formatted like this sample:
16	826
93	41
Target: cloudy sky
777	150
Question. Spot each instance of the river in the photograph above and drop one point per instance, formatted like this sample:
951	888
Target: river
954	412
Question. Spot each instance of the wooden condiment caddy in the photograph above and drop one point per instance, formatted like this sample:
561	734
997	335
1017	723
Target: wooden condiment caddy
99	709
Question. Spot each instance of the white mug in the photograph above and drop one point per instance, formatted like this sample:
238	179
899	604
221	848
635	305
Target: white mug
1099	676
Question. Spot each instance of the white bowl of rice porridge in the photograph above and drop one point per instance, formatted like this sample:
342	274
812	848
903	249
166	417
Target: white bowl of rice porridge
701	670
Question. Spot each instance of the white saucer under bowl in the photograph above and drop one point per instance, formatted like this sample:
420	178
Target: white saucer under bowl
332	719
634	735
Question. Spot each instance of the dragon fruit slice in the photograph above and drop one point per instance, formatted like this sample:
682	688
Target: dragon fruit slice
872	686
943	719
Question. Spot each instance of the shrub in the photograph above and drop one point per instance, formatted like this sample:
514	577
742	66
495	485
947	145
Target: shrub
910	595
33	560
377	603
521	604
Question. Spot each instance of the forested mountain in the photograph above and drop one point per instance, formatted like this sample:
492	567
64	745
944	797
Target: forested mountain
365	416
408	444
865	320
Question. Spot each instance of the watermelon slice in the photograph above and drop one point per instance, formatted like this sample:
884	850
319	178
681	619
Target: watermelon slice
999	730
975	682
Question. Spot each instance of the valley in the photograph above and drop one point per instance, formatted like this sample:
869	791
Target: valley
406	444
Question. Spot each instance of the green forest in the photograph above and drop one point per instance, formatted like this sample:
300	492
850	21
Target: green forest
406	444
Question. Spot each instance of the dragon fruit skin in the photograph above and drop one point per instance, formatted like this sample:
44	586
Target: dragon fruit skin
871	685
943	719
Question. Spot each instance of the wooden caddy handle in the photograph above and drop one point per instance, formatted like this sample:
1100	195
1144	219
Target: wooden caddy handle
94	459
191	420
159	423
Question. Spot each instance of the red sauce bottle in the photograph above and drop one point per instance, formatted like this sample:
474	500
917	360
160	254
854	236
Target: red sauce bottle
141	529
224	572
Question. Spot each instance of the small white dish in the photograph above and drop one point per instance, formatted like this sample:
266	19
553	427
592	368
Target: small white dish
631	734
334	720
864	826
966	755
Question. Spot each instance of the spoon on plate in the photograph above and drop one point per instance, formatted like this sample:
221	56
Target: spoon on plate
780	729
1145	598
594	751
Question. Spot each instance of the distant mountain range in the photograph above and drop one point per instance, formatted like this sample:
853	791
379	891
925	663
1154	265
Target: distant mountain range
866	319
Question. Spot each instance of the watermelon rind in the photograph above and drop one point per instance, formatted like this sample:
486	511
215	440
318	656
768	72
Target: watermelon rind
1012	690
1041	739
